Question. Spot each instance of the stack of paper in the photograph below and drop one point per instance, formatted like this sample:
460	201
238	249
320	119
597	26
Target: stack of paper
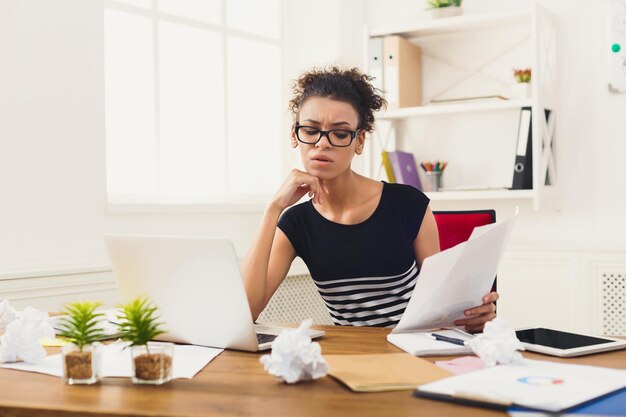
456	279
539	385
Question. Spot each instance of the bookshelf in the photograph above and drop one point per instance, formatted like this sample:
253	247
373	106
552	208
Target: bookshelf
533	31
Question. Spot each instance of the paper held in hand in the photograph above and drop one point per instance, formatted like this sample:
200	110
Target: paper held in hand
456	279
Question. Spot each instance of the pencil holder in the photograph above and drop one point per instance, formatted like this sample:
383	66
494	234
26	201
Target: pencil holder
432	181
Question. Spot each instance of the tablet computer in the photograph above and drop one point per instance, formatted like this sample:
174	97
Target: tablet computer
565	344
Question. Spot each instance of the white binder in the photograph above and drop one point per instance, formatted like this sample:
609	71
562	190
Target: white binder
376	62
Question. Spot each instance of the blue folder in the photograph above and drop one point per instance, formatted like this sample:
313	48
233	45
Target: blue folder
613	404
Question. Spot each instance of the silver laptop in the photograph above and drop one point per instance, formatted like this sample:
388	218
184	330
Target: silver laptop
196	284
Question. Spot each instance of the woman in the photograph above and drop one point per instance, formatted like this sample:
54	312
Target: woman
362	240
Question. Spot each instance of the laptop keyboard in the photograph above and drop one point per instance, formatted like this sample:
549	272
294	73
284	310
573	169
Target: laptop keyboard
264	337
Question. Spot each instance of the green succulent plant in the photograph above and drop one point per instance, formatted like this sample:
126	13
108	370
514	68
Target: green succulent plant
436	4
81	325
138	323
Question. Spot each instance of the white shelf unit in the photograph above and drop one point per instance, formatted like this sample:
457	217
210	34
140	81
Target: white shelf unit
435	109
481	195
540	33
454	24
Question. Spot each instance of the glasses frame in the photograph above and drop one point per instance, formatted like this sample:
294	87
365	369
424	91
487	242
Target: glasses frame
353	135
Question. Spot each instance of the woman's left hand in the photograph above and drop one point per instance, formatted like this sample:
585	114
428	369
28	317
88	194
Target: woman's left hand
476	317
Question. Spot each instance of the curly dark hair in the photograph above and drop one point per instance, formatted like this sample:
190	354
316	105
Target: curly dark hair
347	85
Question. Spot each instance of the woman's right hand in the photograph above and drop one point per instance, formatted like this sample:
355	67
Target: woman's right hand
296	185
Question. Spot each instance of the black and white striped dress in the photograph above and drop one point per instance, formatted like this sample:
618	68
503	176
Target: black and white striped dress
365	272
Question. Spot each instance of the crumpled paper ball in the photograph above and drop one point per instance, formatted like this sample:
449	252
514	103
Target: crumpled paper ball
22	335
295	357
498	344
7	314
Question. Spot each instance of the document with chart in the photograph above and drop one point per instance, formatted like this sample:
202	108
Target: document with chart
538	385
456	279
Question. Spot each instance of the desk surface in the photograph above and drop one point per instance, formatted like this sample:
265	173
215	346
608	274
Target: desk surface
235	384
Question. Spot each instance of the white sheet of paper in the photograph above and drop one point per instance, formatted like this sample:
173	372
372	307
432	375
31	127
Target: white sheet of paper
456	279
548	386
50	365
116	362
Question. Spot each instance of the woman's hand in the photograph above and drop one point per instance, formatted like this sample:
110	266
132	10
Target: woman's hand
476	317
296	185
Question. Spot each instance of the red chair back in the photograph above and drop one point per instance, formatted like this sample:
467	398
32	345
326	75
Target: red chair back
456	226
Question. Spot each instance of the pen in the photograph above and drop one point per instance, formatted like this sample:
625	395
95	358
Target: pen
435	166
448	339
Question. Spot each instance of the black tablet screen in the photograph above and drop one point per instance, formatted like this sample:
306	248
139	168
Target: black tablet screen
558	339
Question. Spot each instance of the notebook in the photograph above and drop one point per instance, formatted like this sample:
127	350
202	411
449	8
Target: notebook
197	286
422	344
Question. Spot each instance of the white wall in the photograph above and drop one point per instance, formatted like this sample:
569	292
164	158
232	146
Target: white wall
52	189
51	134
53	212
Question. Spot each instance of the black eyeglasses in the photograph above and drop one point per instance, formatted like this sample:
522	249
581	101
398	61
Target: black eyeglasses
339	138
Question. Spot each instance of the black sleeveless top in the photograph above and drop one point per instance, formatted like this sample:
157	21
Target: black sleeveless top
365	272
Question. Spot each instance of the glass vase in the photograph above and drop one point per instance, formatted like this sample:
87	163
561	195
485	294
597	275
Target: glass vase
81	366
152	363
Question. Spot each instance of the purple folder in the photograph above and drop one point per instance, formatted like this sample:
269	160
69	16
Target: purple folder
404	168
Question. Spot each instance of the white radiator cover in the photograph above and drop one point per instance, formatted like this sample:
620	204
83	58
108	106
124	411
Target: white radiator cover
296	299
613	302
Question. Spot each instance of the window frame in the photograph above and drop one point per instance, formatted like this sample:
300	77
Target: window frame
213	203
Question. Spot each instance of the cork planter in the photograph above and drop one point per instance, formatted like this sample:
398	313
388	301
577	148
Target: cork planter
81	366
152	363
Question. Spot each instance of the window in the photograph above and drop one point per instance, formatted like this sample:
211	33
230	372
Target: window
193	99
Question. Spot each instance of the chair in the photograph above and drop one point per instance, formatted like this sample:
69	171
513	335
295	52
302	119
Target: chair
456	227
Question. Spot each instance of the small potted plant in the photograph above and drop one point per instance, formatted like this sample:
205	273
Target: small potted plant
522	87
445	8
151	361
81	357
